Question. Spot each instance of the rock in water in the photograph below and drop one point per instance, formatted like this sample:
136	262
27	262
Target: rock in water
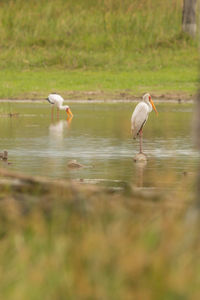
140	157
4	155
74	164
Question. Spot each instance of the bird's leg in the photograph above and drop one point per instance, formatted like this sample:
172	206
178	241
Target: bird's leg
140	133
57	113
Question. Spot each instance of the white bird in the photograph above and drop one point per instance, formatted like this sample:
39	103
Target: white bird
57	100
140	116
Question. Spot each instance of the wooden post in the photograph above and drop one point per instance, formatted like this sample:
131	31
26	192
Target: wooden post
189	17
197	142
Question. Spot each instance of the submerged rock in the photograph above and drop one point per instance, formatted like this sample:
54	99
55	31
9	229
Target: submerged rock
140	157
73	164
4	155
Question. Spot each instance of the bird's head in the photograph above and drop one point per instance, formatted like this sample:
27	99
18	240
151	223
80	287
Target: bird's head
68	111
147	98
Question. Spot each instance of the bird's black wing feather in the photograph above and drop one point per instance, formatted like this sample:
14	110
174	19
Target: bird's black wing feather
141	126
49	100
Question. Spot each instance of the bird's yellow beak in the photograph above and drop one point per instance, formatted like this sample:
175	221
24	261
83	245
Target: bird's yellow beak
69	113
151	101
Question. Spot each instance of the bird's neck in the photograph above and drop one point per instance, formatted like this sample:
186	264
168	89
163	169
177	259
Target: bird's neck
63	107
149	105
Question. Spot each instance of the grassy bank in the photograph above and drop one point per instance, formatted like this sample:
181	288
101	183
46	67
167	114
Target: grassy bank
37	84
106	47
63	240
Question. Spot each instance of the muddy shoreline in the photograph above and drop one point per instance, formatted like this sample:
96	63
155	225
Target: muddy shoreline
100	101
101	96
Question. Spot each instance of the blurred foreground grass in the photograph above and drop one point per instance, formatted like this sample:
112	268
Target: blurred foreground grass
63	240
105	45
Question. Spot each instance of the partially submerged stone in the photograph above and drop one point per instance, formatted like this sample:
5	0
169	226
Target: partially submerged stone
73	164
4	155
140	157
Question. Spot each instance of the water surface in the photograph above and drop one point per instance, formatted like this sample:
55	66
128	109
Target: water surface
98	137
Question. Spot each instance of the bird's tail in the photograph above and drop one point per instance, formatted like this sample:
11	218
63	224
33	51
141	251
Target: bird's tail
49	100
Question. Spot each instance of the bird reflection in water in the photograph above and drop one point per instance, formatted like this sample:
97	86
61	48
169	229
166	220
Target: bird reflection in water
140	167
57	129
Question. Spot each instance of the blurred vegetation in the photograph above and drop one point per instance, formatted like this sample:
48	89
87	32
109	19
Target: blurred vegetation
140	36
90	34
63	240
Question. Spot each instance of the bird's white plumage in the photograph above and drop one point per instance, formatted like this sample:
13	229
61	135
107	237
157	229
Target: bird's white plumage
57	100
140	115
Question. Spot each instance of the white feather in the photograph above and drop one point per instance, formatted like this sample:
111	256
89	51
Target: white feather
57	100
139	117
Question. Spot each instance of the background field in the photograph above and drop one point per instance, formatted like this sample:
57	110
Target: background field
117	49
64	240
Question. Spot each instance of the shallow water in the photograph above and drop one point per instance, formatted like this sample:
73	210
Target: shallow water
98	137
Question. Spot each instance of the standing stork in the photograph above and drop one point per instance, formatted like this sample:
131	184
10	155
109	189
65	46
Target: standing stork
140	116
57	100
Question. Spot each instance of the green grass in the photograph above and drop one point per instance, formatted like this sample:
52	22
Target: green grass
87	34
92	45
36	84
